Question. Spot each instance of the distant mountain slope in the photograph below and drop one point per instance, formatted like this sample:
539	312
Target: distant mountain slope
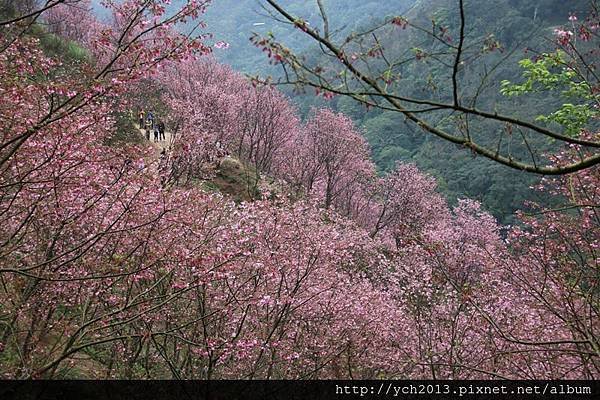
234	21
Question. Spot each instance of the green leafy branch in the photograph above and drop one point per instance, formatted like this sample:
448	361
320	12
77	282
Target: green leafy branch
551	72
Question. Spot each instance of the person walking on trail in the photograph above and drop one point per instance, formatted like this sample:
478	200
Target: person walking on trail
141	118
149	127
156	134
161	130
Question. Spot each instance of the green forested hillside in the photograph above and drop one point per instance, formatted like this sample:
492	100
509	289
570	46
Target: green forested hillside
235	21
522	29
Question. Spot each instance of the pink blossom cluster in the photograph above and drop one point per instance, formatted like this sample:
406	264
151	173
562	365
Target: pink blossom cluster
563	36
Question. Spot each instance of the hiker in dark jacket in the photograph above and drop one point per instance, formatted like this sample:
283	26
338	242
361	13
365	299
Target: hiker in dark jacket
161	130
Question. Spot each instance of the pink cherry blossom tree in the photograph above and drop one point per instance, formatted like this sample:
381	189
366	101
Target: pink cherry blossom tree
74	21
267	123
78	217
404	203
329	157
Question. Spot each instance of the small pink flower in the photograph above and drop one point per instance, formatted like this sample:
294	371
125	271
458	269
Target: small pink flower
584	34
564	37
400	21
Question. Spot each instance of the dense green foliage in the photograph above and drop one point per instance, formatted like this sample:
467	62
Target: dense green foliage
550	73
